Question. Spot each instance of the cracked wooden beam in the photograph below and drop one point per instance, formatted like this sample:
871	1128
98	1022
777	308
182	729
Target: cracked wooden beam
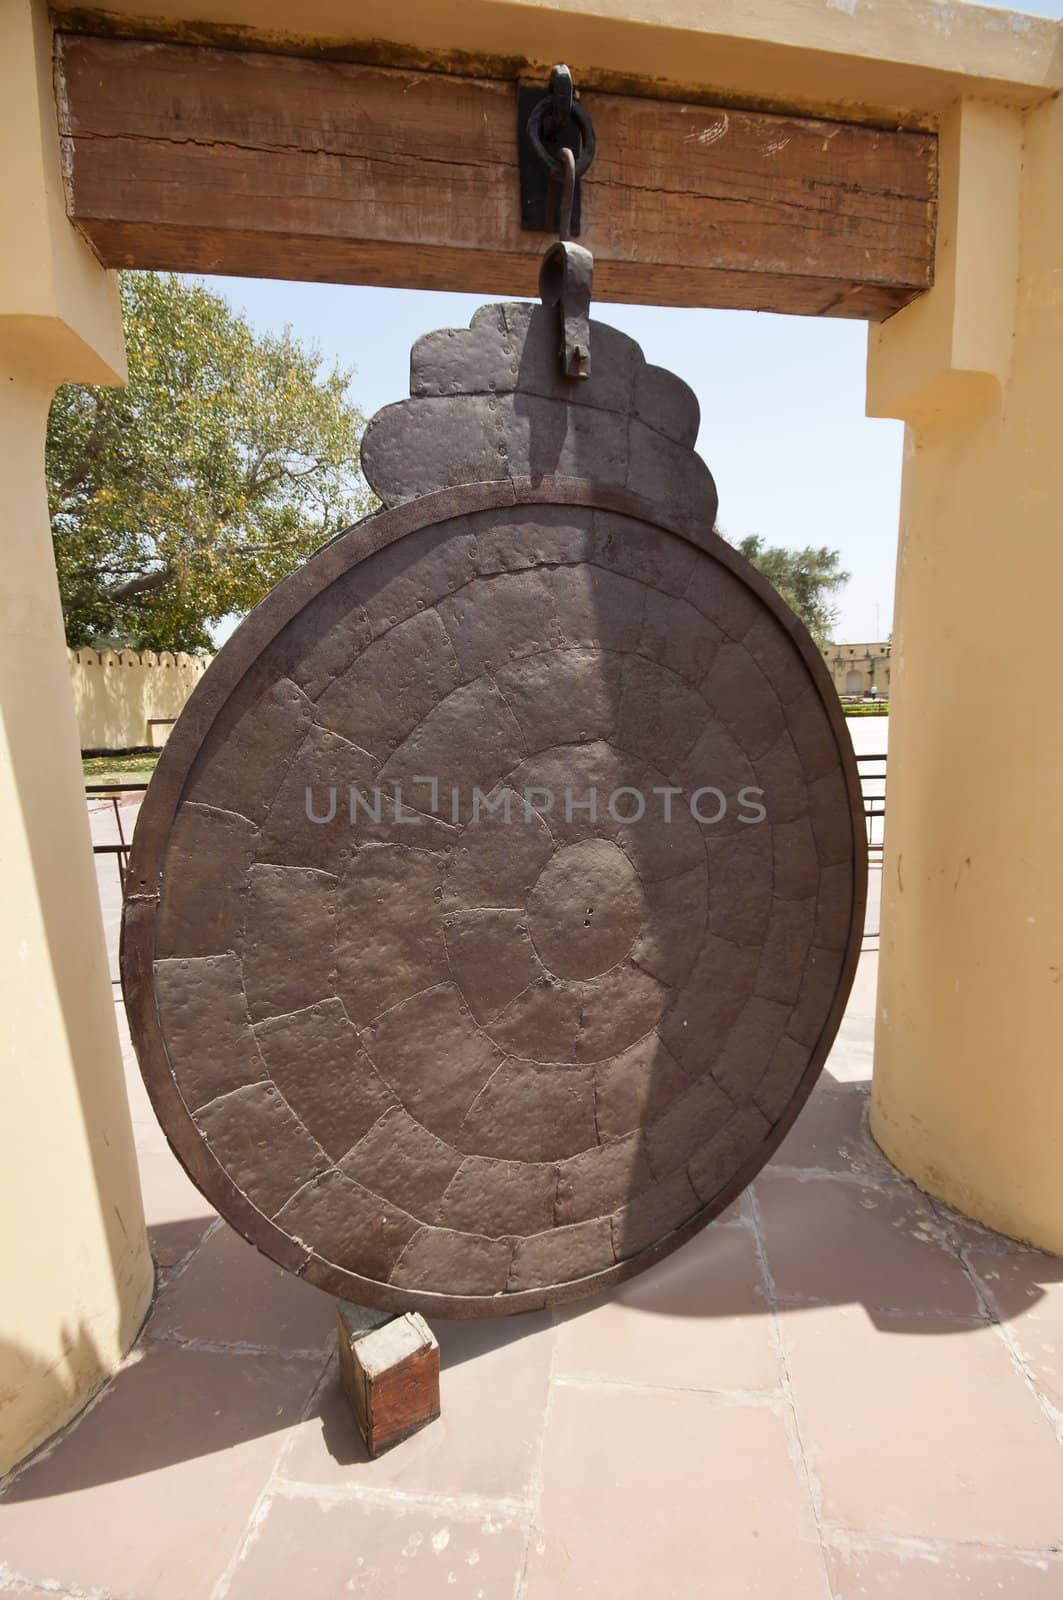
192	158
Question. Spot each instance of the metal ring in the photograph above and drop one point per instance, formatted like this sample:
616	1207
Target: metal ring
586	130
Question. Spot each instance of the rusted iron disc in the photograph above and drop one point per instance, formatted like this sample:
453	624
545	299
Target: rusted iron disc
551	999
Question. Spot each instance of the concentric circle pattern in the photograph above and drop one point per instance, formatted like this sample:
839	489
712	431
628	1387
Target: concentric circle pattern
506	909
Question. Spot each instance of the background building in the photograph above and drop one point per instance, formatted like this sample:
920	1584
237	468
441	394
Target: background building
859	668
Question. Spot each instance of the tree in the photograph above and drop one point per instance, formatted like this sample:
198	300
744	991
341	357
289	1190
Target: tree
806	579
187	495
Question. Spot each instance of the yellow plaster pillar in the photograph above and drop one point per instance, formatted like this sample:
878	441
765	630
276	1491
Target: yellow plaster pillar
74	1263
968	1087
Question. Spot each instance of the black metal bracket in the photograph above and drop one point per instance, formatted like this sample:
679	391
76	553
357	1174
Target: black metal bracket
566	280
546	123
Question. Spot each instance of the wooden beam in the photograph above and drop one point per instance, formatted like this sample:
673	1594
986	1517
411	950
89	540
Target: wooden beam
198	159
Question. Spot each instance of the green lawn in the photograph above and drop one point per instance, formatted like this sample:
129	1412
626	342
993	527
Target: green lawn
136	768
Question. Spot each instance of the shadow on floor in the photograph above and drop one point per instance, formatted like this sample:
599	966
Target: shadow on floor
238	1350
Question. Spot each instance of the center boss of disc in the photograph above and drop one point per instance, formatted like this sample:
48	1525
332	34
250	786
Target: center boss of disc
585	909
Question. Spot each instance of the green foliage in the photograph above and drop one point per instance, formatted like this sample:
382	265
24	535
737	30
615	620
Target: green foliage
807	580
187	495
135	768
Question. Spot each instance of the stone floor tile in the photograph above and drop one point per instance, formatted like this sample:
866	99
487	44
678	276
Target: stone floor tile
379	1550
176	1213
149	1494
856	1031
740	1210
851	1061
493	1386
858	1023
141	1109
852	1053
148	1137
966	1234
230	1294
147	1134
697	1320
949	1572
835	1240
922	1426
831	1135
650	1493
1027	1293
22	1593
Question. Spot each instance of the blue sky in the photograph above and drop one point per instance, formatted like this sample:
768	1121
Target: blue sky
782	407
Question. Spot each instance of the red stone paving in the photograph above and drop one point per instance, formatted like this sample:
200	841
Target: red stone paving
841	1391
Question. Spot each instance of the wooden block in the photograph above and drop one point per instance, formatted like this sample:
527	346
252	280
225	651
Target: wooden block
390	1369
198	159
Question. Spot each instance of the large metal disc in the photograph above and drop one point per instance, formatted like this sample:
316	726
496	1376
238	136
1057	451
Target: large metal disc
551	998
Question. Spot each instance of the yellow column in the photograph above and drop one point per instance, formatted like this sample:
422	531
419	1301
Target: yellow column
74	1263
968	1087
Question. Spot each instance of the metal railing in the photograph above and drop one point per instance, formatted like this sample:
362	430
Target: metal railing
872	769
113	792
